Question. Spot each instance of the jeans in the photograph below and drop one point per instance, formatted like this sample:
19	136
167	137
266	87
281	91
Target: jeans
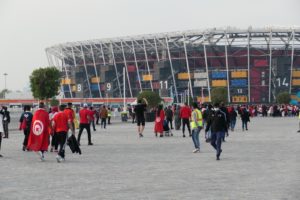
103	122
232	124
195	137
169	120
244	124
216	141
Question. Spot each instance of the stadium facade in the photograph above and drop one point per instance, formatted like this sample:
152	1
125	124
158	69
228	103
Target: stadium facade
254	65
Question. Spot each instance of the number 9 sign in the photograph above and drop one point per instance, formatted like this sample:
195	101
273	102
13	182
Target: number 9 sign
108	86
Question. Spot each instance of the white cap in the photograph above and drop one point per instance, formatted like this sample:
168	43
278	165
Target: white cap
85	105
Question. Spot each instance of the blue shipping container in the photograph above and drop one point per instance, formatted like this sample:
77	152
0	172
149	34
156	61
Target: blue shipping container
66	88
94	87
216	75
239	82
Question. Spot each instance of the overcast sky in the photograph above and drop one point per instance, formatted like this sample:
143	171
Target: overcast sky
27	27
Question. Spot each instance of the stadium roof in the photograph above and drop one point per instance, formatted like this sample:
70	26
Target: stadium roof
280	36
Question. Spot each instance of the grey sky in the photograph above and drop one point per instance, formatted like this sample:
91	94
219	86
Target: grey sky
27	27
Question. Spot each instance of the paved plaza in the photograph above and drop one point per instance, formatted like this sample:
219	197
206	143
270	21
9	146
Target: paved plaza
262	163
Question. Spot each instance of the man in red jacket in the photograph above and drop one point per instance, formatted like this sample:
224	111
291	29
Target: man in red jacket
185	115
85	119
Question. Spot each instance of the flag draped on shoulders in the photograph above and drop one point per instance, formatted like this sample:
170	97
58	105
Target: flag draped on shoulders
39	132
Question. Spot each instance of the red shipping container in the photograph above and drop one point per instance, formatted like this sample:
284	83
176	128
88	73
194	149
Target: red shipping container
260	63
131	68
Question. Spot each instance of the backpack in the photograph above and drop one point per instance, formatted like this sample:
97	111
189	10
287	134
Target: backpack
25	123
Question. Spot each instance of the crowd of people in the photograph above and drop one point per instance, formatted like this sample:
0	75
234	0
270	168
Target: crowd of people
45	128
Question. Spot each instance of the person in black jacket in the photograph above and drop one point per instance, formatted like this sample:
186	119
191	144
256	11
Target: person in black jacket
217	123
6	121
245	116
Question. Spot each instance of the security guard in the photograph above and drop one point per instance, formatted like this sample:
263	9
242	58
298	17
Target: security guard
196	126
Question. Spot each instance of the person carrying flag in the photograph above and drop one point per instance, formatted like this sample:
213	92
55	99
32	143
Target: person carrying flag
39	133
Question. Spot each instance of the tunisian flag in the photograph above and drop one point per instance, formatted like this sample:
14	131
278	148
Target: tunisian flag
39	132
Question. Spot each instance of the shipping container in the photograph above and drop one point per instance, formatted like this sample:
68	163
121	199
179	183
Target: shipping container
200	75
260	63
238	82
239	99
219	83
131	68
204	99
94	87
95	80
147	77
218	75
296	82
239	74
296	73
202	83
184	76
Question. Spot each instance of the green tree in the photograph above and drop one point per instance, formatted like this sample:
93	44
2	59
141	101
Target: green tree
153	98
54	102
3	92
283	98
218	95
44	83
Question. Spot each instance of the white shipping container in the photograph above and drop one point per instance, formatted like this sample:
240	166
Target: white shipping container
200	75
202	83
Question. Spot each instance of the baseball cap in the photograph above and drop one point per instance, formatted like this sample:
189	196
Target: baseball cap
85	105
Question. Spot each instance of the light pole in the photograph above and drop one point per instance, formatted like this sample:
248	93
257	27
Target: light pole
5	74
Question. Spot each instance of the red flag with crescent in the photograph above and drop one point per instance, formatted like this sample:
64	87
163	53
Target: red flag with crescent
39	132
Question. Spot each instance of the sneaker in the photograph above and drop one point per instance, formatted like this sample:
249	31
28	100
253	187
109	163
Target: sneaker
51	150
141	135
1	156
218	158
196	150
183	135
90	143
59	158
24	148
298	131
161	136
190	135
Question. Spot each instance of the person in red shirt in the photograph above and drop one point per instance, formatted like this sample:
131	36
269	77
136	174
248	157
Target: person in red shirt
84	115
92	116
60	125
185	115
71	115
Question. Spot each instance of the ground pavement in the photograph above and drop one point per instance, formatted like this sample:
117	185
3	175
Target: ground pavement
262	163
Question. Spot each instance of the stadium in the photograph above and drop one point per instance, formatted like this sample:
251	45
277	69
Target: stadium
253	64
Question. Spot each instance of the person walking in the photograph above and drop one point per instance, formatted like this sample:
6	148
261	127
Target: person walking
159	120
1	128
92	114
25	124
71	116
185	115
84	115
196	126
139	110
6	121
38	140
245	116
103	116
109	114
60	124
54	143
177	120
232	117
217	122
169	116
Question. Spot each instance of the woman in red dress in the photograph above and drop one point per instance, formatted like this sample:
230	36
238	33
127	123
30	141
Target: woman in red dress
159	120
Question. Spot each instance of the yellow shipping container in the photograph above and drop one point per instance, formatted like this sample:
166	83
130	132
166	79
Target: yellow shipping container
237	99
295	73
219	83
147	77
239	74
66	81
184	76
205	99
296	82
74	88
95	80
